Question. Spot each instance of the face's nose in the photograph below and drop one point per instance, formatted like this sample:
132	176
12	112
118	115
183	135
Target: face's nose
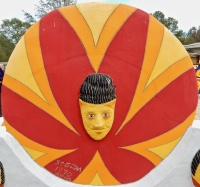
98	123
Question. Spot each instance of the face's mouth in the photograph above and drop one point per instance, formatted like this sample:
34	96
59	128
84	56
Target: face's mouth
98	128
98	132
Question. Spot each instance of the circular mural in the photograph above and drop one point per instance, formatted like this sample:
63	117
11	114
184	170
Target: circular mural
154	93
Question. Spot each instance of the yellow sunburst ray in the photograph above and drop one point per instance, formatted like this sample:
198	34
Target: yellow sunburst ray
145	148
105	33
153	75
95	166
26	76
42	154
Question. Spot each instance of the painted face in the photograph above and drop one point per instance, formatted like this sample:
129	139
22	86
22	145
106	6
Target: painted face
97	118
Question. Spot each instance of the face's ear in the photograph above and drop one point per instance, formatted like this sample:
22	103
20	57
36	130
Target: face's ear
81	103
111	104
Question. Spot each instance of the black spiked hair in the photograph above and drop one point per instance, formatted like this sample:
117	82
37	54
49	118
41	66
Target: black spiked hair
2	174
195	162
97	89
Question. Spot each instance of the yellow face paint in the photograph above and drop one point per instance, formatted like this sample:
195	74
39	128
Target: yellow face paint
97	118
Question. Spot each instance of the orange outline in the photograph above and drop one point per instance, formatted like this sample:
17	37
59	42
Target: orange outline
96	165
112	26
51	154
143	96
177	132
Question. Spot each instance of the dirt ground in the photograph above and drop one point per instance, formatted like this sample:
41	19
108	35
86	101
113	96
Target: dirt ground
197	117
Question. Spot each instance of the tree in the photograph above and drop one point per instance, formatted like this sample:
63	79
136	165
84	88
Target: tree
6	48
28	17
10	33
159	16
182	36
170	23
13	29
48	5
193	35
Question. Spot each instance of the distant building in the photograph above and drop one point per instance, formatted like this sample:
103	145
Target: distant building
194	52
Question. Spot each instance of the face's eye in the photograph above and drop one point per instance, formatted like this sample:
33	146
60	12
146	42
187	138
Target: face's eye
90	115
105	115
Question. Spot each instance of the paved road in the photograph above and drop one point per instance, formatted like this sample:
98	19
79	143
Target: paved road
197	117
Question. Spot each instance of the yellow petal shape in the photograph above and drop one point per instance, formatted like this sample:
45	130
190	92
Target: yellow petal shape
143	93
170	136
112	26
171	51
34	53
96	15
96	165
33	153
30	61
43	160
164	150
97	180
19	68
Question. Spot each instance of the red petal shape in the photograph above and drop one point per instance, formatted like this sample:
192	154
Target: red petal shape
125	165
123	61
66	65
74	162
165	111
36	124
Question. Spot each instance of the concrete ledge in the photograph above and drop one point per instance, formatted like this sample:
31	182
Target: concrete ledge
174	171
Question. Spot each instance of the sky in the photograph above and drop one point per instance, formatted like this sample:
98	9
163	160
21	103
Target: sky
185	11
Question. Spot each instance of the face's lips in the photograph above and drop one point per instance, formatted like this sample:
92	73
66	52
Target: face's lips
96	129
98	132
